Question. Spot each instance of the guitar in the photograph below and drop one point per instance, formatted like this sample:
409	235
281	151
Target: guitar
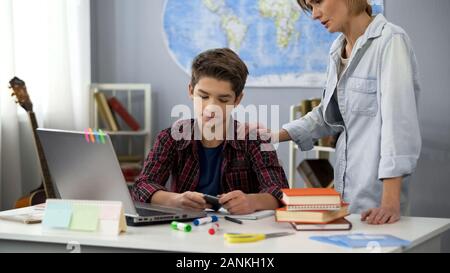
45	190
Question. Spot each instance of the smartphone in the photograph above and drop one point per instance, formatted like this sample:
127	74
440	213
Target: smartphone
213	200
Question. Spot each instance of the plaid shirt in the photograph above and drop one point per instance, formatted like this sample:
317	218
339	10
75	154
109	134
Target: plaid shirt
245	167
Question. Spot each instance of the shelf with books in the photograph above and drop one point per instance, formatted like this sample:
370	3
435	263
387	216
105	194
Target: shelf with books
123	111
321	152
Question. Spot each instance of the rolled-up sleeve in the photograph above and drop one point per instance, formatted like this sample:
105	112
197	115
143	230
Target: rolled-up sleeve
306	130
400	133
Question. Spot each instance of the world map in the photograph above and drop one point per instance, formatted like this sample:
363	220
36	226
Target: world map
282	46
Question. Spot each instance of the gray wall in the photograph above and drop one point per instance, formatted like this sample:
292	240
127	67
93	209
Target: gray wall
128	46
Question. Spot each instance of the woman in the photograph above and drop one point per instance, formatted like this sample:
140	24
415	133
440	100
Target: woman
370	101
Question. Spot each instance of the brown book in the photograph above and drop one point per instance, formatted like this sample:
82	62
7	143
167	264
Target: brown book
314	217
305	107
316	173
315	103
105	112
340	224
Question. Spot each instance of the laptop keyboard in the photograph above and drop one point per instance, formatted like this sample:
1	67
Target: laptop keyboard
147	212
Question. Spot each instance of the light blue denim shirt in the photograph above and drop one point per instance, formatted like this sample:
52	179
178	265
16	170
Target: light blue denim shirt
375	115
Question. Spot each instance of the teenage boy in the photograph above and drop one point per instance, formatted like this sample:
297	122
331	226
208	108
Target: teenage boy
246	177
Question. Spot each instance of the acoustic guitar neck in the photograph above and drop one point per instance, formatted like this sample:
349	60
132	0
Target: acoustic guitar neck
48	185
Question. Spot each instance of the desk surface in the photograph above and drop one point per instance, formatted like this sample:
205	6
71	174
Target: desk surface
163	238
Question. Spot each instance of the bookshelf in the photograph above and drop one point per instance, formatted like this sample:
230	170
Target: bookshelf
131	146
321	152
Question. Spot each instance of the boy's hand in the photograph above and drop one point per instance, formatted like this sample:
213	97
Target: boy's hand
237	202
190	200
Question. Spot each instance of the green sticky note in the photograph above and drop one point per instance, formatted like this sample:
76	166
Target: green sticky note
84	217
57	214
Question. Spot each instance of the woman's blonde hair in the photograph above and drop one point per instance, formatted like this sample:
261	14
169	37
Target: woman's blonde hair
355	6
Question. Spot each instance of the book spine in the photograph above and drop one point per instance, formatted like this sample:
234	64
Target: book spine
105	111
117	107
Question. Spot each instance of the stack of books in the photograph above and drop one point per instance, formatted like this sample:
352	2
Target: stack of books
313	209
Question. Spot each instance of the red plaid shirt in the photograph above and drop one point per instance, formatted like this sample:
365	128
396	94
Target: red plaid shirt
245	167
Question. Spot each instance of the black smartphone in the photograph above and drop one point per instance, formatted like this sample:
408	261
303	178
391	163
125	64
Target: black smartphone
213	200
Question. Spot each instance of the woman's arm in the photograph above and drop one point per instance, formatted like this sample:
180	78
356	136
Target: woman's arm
389	211
306	130
400	134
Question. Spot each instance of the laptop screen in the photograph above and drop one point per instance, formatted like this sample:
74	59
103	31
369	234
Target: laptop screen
86	170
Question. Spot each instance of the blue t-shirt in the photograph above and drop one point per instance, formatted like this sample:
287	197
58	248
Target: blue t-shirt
210	169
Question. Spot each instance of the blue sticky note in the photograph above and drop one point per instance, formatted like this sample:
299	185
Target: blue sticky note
360	240
57	215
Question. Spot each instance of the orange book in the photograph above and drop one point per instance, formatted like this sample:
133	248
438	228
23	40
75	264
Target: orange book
311	199
315	217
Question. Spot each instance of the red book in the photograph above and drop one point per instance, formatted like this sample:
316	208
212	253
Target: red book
123	113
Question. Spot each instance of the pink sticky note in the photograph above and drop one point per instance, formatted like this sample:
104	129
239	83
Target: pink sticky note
109	212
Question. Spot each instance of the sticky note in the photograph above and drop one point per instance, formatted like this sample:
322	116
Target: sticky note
84	217
57	215
110	212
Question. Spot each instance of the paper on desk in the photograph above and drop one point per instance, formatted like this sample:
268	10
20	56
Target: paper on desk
252	216
28	215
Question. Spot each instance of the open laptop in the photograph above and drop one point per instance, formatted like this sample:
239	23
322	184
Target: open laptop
82	169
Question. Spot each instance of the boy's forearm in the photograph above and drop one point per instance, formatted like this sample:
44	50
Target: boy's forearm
163	198
264	201
391	192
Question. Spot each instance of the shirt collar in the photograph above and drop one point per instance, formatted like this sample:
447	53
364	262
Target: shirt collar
373	31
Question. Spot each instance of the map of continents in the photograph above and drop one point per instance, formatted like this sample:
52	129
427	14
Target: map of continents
280	45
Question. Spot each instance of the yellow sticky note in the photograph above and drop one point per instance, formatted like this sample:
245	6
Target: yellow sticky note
84	217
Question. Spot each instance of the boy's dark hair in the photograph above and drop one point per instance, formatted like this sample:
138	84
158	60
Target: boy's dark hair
221	64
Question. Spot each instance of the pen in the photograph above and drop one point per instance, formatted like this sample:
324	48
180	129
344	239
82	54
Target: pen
231	219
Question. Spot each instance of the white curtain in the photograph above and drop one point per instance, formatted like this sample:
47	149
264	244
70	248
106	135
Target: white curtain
46	43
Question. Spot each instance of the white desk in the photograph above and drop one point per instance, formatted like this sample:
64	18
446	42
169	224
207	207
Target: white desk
425	234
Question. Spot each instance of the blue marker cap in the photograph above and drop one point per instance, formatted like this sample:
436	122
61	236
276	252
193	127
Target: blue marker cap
205	220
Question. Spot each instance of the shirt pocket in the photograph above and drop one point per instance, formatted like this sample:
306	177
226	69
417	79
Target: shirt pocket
362	95
237	175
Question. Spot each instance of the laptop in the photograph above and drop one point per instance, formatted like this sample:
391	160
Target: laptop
87	170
